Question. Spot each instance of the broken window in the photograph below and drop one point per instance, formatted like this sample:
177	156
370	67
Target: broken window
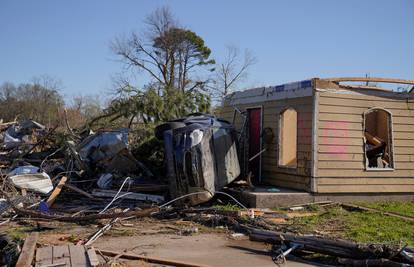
288	138
378	139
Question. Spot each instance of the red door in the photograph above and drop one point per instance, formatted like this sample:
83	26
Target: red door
255	128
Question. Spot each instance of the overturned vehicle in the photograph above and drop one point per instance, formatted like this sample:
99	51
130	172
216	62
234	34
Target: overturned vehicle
200	156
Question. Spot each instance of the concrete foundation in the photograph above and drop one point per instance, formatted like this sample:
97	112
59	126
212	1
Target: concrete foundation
274	197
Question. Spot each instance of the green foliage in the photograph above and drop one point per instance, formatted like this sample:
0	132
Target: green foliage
184	45
154	105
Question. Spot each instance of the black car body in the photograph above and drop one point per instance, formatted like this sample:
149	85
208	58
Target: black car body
201	156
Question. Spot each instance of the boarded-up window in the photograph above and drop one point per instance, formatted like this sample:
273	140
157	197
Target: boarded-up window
378	138
288	128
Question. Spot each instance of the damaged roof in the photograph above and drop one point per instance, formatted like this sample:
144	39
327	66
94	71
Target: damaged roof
307	87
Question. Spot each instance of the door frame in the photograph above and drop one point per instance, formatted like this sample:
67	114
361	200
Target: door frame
260	137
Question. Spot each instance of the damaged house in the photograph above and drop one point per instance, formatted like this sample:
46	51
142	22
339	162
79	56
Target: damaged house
327	137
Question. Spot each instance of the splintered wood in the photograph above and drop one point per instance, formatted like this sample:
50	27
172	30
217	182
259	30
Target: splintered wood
66	256
27	254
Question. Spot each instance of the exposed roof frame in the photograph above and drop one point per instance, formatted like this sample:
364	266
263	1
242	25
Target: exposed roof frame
369	79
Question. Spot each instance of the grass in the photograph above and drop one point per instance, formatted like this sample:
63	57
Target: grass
365	227
227	207
403	208
18	233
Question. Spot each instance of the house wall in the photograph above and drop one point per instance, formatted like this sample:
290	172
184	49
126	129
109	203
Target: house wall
295	178
340	167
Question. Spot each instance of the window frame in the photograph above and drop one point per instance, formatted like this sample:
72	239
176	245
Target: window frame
279	145
391	132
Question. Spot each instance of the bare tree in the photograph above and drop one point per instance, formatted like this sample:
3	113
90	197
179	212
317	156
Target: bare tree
167	52
232	70
88	106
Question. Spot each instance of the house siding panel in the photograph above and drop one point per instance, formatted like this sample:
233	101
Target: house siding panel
295	178
341	163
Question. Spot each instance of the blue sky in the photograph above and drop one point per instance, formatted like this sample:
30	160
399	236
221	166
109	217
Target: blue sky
292	40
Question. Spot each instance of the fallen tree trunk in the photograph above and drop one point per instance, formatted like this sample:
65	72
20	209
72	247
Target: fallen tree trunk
338	248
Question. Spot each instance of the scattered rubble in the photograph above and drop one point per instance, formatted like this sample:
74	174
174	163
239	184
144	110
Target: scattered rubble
88	178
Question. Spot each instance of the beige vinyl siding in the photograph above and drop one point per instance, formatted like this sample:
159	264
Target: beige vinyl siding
295	178
341	163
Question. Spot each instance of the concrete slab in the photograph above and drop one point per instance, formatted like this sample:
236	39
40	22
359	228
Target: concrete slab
270	197
209	249
274	197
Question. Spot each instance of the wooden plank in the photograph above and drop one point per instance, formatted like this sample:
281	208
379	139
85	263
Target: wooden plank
340	165
281	169
80	191
341	141
370	79
403	120
340	117
403	135
273	122
93	258
299	171
340	157
271	156
340	149
273	180
291	102
271	176
277	109
403	150
130	195
61	254
300	148
56	191
78	256
365	181
366	188
365	96
344	100
403	128
404	143
28	251
404	165
363	173
44	256
340	133
359	110
404	158
359	157
338	125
